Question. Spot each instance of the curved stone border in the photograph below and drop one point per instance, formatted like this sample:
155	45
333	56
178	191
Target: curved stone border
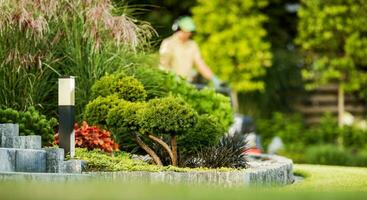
264	170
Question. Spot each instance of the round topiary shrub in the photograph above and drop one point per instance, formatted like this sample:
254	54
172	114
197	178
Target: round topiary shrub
207	132
125	87
169	115
96	110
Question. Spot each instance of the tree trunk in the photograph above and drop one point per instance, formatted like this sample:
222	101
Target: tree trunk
165	146
234	101
174	149
340	105
154	156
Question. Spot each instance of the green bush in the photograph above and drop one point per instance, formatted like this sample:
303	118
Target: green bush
97	110
125	87
207	132
159	83
289	128
361	158
31	122
168	115
353	137
326	132
327	155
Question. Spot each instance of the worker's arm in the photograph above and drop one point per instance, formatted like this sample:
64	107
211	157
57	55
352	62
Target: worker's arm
204	69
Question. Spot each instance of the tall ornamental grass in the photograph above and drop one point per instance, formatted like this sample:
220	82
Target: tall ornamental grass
41	40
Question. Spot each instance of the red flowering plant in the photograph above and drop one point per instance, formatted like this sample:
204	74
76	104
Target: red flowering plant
92	137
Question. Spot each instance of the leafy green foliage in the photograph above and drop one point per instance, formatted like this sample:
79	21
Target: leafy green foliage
231	38
31	122
332	34
228	153
96	110
125	87
168	115
207	132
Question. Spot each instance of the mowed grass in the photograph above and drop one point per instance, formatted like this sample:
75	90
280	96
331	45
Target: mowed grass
330	178
321	182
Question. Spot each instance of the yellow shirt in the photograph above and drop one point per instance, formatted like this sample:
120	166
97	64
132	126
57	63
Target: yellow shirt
178	56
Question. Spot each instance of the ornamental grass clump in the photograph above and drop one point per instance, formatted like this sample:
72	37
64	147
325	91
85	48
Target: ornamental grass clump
42	40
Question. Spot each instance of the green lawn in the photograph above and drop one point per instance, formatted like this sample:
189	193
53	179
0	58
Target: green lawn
322	182
331	178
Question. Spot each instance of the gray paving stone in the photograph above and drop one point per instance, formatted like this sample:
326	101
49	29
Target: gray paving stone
30	160
54	159
23	142
72	166
7	160
8	130
31	142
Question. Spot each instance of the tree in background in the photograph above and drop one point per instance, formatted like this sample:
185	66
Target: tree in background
231	37
332	34
283	81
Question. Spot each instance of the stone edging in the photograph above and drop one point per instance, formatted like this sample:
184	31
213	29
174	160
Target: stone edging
271	170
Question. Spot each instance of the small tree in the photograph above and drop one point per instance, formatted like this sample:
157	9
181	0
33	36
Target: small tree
332	34
231	38
154	119
168	116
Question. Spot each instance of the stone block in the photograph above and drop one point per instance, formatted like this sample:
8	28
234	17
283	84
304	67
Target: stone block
31	142
72	166
30	160
7	160
54	159
23	142
8	130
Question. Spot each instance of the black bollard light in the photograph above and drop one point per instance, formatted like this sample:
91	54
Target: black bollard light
67	115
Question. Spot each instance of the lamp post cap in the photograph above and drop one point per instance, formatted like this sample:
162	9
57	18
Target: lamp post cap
65	77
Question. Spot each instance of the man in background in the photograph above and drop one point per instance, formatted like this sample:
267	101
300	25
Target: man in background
180	54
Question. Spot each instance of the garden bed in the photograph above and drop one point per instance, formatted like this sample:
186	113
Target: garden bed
264	170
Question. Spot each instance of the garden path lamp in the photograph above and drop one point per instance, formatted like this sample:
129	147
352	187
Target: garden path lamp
67	114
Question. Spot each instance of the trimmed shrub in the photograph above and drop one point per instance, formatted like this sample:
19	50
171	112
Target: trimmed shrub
125	87
31	122
327	155
124	120
159	83
207	132
97	110
92	137
169	115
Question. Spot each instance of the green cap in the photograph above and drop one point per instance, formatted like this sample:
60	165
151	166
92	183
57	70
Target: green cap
186	24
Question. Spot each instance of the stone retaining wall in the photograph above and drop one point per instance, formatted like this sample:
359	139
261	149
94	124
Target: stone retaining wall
264	170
